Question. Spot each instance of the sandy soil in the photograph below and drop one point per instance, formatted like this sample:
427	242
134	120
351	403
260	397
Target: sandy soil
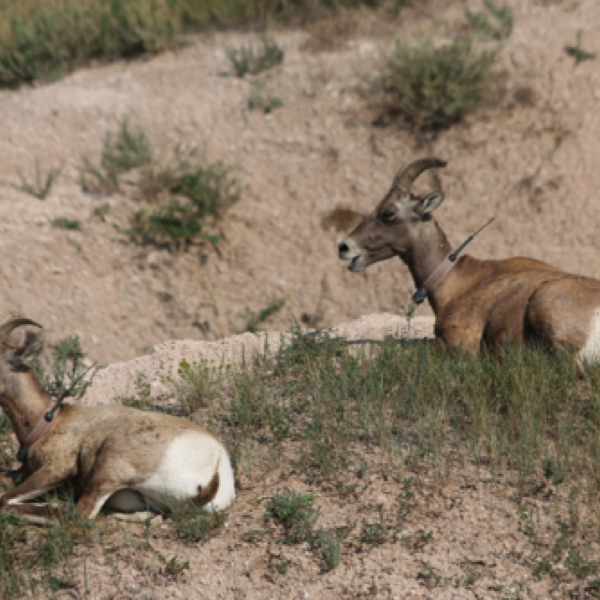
531	162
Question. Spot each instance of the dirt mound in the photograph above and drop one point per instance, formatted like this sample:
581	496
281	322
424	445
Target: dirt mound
122	379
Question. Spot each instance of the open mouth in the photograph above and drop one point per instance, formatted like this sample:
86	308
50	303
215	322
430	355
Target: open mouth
354	266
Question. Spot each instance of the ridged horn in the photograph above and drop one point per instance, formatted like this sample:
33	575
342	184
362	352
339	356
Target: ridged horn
408	173
10	321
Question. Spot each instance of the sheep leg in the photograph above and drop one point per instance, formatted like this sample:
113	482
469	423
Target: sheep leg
14	501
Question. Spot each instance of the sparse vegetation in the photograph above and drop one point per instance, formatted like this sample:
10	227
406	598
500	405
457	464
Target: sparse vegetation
578	53
42	185
194	384
255	319
180	194
66	370
45	39
435	86
260	99
250	60
495	21
128	149
295	513
66	223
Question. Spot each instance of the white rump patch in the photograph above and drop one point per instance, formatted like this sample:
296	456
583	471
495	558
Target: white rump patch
591	351
188	466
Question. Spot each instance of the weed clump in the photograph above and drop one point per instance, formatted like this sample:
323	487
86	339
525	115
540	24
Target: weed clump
42	185
251	60
436	86
296	513
180	195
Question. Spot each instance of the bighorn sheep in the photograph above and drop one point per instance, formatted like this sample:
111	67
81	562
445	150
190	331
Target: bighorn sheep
114	456
476	302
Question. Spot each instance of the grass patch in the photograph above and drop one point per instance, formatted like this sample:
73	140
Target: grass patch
253	60
295	513
42	184
66	223
40	562
261	99
578	53
193	524
495	21
187	192
42	40
528	412
436	86
180	195
66	369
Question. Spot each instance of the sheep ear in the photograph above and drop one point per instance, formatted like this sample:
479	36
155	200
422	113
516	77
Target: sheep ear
427	204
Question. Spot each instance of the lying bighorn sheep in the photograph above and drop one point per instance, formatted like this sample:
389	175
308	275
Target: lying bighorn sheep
476	302
114	456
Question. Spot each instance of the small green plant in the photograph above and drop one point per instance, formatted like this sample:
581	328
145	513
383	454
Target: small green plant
142	398
296	513
541	568
190	191
66	369
101	212
437	86
276	564
499	27
578	565
42	185
251	60
255	319
260	99
553	471
578	53
194	384
373	534
127	150
66	223
429	575
193	523
330	546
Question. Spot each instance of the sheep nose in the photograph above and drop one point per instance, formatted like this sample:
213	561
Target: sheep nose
343	248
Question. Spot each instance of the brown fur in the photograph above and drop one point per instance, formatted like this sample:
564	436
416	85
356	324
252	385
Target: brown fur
98	450
209	491
479	302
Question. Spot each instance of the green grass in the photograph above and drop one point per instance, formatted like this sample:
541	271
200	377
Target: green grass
42	40
66	369
578	53
66	223
180	195
495	21
250	60
529	412
42	184
436	86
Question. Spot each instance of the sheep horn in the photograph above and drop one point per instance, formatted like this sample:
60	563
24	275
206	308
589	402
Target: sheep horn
408	173
12	320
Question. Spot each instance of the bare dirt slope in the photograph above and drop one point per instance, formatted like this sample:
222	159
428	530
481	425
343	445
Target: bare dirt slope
532	162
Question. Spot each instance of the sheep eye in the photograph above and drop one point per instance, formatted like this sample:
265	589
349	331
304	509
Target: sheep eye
387	217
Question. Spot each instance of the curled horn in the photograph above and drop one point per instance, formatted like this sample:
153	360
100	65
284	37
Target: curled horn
408	173
12	320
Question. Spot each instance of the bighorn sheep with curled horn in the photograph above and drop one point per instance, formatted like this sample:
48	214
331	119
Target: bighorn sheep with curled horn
476	302
114	456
